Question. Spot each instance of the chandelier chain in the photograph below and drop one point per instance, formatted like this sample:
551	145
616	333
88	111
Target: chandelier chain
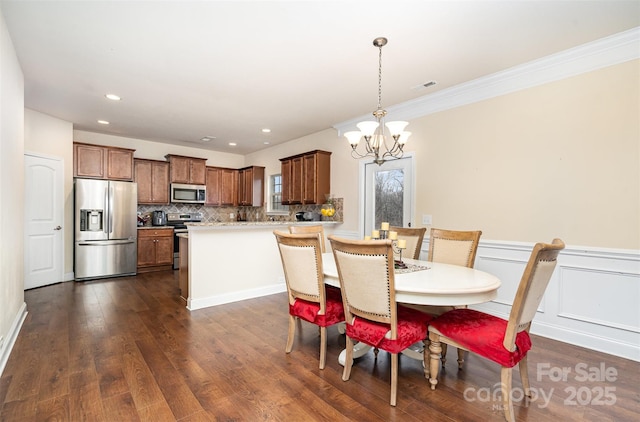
379	77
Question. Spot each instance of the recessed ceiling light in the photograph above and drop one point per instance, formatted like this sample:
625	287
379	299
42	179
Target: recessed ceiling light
113	97
265	130
103	122
208	138
232	144
266	142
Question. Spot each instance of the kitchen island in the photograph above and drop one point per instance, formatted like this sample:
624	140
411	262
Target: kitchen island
234	261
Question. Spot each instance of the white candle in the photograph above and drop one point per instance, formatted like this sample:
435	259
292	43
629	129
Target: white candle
367	238
384	226
375	234
393	235
402	244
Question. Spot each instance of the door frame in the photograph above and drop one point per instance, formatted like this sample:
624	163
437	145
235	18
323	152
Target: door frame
61	206
361	191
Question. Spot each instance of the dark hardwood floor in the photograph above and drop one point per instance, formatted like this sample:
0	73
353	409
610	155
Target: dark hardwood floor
127	349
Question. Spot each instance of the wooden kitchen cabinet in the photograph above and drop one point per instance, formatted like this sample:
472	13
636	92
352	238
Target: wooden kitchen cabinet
251	186
155	249
100	162
222	186
152	177
188	170
306	178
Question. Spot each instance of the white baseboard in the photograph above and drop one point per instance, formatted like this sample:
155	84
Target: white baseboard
12	335
193	305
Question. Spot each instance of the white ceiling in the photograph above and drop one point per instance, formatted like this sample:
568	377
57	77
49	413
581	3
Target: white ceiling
188	69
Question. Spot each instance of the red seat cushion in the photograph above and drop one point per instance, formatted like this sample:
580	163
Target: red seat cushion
412	327
309	311
482	334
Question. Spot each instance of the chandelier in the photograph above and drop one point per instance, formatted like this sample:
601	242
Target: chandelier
374	132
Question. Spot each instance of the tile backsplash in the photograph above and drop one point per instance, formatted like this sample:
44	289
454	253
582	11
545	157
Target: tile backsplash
223	214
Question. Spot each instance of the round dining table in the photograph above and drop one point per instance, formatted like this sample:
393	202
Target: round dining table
427	283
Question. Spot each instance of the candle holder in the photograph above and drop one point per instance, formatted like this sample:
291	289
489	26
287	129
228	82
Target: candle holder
398	263
384	234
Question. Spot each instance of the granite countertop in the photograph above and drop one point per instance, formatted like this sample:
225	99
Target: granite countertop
154	227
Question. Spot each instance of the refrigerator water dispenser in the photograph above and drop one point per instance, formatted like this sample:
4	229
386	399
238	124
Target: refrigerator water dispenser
91	220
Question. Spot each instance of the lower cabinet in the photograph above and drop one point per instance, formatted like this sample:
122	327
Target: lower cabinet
155	249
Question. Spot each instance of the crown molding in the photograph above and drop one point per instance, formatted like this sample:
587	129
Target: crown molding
608	51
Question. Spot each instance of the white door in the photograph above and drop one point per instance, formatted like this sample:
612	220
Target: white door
44	205
388	194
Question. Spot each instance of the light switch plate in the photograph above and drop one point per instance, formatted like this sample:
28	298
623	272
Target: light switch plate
426	219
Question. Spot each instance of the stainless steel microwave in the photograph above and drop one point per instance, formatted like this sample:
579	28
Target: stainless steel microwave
190	194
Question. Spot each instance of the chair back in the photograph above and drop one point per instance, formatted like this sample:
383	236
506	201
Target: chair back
454	247
365	269
533	284
318	230
302	264
414	238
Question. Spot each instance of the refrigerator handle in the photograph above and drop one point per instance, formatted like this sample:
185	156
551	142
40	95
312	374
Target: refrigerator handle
106	214
110	209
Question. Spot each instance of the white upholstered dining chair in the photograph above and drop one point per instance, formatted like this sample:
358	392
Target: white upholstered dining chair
454	247
372	316
309	299
501	341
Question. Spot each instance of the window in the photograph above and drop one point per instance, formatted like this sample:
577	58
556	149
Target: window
388	192
275	196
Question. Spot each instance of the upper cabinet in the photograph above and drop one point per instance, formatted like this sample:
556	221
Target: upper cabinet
306	178
99	162
152	178
222	186
251	186
187	170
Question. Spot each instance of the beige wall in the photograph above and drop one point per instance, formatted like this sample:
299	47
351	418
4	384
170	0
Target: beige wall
52	137
559	160
11	188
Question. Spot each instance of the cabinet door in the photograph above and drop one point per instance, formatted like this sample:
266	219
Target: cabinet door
159	183
213	186
142	176
228	187
285	172
89	161
296	180
146	251
309	179
164	250
180	169
119	164
197	174
152	178
244	187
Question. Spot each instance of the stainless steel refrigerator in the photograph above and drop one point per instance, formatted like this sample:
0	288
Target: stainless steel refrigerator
105	228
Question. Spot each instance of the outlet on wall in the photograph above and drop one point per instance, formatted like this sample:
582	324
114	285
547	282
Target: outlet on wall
426	219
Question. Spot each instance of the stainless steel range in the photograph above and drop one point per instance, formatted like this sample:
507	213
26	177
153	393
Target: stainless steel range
178	221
